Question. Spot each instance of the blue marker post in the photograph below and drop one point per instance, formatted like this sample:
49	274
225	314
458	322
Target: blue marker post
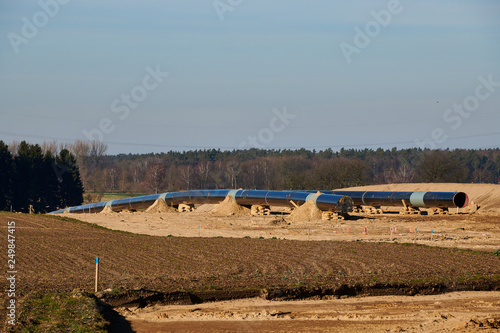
96	272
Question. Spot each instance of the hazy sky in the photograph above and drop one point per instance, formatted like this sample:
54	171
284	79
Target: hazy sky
152	76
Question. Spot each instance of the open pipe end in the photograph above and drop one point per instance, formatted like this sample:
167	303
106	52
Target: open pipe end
460	199
345	204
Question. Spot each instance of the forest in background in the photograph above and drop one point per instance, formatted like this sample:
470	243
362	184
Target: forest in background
271	169
34	180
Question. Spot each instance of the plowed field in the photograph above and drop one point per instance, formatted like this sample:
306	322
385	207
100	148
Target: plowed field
58	254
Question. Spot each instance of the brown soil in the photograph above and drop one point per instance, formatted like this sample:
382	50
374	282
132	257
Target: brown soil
160	207
107	210
230	207
457	312
205	208
58	254
306	213
476	231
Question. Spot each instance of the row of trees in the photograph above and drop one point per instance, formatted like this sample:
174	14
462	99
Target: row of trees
277	169
298	169
270	169
43	180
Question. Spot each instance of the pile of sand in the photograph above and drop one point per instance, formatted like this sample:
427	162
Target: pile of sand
107	210
230	207
487	196
306	212
205	208
160	207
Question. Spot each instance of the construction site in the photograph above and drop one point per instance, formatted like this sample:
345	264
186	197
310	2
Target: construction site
247	260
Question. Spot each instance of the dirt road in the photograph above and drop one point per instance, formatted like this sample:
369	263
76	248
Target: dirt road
452	312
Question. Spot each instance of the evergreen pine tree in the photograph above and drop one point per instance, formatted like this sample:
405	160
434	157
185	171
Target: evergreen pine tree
49	194
70	184
29	178
6	173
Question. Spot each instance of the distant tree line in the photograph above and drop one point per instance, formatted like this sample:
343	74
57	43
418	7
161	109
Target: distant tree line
272	169
293	169
278	169
43	180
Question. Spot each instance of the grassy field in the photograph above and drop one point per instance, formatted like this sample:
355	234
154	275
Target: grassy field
98	197
60	312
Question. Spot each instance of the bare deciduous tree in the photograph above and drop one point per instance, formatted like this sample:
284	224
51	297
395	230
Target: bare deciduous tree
155	177
232	172
14	147
187	176
266	173
96	152
113	178
403	174
203	171
50	147
137	171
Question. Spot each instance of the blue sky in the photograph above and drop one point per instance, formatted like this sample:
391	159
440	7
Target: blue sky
228	79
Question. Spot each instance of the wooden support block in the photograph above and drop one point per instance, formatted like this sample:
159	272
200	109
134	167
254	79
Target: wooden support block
408	210
439	211
258	210
185	208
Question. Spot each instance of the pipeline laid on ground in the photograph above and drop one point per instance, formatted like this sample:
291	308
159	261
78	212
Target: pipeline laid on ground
413	199
326	202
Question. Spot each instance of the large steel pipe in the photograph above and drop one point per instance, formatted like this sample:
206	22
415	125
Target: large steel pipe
414	199
326	202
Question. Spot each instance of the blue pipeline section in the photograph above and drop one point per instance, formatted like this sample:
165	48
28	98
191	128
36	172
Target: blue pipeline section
325	202
414	199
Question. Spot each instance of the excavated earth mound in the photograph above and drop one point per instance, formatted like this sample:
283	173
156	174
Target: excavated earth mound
107	210
205	208
160	207
306	212
230	207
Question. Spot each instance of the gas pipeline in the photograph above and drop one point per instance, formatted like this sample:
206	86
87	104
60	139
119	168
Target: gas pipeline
417	199
325	202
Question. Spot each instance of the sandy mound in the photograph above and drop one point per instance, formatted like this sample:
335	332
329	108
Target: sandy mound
205	208
160	207
306	212
487	196
107	210
230	207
